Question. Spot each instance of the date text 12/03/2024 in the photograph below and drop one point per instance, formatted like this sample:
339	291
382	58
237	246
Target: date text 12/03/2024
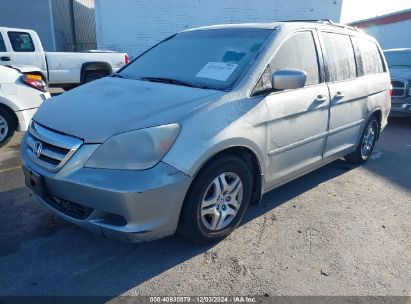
202	299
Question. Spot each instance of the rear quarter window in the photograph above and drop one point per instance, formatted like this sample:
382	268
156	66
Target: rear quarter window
368	56
340	60
21	42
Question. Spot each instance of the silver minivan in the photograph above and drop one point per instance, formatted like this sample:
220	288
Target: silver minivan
204	123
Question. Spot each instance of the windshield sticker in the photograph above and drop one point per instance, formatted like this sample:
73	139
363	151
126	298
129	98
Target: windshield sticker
217	70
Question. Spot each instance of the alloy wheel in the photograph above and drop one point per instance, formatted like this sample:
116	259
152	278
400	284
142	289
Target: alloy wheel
369	139
221	201
4	128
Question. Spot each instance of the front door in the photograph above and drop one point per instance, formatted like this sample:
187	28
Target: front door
24	51
5	58
298	119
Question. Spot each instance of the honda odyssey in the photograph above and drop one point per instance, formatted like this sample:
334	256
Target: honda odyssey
204	123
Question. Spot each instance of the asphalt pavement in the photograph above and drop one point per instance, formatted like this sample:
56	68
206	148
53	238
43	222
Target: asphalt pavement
341	230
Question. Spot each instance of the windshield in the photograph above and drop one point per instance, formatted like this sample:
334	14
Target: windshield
398	58
211	59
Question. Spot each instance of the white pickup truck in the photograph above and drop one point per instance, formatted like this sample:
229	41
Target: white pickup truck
21	47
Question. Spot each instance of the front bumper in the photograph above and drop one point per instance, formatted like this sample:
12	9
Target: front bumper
24	117
401	107
129	205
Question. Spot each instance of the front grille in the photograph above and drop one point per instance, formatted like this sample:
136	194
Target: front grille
396	105
399	88
71	209
49	149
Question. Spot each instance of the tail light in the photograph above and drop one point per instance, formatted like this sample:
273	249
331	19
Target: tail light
34	81
126	59
391	89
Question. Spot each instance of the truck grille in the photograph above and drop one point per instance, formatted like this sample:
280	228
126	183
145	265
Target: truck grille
49	149
399	88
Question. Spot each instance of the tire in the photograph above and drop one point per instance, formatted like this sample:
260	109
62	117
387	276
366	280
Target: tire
198	218
94	75
7	127
366	145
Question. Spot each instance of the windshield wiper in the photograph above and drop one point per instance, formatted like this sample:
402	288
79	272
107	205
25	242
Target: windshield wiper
168	80
399	65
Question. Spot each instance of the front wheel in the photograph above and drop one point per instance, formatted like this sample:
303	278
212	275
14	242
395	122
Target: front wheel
216	201
7	127
366	145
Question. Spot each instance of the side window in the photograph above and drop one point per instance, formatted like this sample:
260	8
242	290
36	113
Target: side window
370	57
339	57
358	58
2	45
298	52
21	42
265	84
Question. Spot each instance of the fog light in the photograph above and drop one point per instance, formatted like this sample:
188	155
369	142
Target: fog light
408	108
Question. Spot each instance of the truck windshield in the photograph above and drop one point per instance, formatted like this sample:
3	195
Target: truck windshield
398	59
212	59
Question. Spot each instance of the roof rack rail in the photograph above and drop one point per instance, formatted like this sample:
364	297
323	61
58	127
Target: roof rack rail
324	21
309	20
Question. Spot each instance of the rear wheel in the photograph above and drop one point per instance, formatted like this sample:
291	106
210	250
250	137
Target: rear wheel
94	75
367	143
7	127
216	201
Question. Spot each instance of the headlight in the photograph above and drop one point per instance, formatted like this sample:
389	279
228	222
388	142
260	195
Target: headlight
135	150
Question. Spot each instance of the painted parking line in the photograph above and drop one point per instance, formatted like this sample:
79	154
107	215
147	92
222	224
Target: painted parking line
10	169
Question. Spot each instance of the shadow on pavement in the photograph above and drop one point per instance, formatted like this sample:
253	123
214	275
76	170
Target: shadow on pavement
44	255
392	154
35	243
289	191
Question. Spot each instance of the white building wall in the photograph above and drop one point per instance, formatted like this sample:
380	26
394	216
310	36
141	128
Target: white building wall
393	35
135	25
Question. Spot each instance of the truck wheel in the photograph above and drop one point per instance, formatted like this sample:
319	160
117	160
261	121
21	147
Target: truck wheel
367	143
69	87
216	201
7	127
94	75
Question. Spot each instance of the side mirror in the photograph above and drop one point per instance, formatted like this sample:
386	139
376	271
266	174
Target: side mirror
288	79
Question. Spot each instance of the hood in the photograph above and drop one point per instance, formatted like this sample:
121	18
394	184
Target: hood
103	108
401	73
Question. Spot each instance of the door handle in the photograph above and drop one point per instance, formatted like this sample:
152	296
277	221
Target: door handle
339	95
5	58
320	98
